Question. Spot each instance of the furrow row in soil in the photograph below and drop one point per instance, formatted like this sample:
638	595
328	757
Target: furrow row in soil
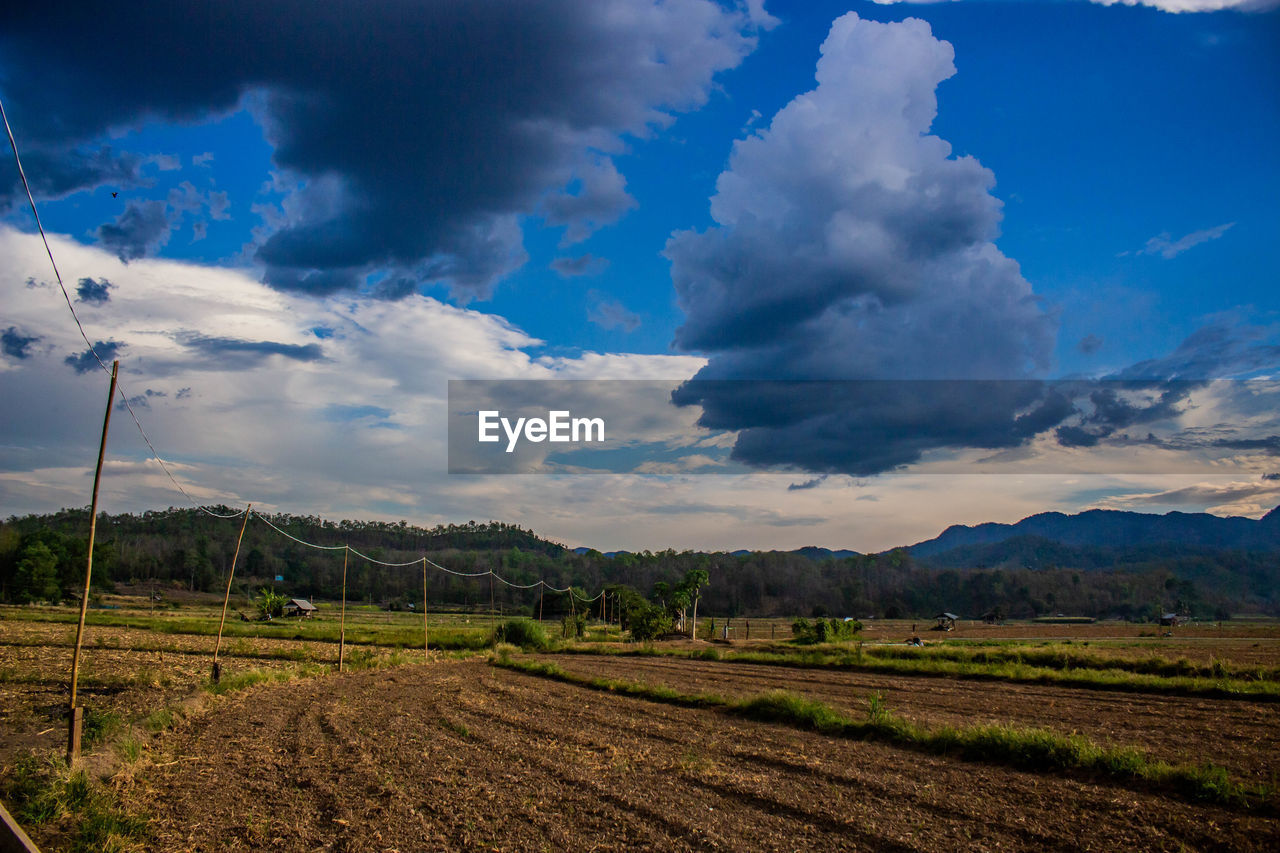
1240	735
464	756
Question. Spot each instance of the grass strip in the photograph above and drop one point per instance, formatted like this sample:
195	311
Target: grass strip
45	790
1032	749
861	660
326	631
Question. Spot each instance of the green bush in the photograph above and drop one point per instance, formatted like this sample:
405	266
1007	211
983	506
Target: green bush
524	633
573	626
825	630
647	621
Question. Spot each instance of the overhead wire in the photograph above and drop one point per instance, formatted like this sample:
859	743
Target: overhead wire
264	520
124	396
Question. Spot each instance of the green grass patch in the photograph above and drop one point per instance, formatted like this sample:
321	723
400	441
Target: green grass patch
43	790
1025	748
1025	666
525	633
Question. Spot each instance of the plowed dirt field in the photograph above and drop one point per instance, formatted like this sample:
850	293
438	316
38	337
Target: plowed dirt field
462	756
1243	736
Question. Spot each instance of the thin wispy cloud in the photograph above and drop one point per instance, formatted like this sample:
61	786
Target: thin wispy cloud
1166	247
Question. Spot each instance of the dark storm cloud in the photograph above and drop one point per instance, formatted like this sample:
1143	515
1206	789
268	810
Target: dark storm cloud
1114	407
85	361
141	401
849	244
868	427
15	344
58	171
1269	445
93	292
419	131
139	231
235	352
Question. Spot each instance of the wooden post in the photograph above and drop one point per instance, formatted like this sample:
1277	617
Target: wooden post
604	596
217	670
342	618
76	715
492	612
425	644
542	592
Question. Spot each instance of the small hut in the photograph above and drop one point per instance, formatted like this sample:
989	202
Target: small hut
299	607
946	621
1170	620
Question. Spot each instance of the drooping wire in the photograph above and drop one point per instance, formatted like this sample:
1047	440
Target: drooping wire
124	396
264	520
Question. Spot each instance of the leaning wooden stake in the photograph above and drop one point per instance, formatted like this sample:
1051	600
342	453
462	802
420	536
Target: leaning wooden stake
425	649
217	670
342	619
76	715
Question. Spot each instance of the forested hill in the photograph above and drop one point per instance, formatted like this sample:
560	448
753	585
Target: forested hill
42	558
1114	529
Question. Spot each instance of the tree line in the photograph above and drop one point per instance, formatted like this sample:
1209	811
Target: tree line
42	558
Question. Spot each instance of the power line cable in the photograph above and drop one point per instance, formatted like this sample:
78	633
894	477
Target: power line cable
124	396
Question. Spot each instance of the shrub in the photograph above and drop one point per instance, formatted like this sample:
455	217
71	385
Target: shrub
647	621
825	630
573	625
524	633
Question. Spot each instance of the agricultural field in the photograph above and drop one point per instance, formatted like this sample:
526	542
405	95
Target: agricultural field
1022	737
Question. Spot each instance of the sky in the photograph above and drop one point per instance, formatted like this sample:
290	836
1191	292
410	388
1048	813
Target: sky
882	267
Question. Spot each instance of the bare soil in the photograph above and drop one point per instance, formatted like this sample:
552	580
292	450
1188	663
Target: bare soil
1240	735
461	756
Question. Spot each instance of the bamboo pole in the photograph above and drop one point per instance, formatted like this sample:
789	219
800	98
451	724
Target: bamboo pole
425	643
217	670
76	715
342	619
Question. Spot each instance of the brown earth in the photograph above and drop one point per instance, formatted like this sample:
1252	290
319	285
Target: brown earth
123	671
1240	735
461	756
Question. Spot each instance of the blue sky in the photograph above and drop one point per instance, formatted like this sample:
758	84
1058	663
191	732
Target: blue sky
1094	197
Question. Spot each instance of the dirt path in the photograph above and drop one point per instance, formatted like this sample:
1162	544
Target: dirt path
1241	736
460	756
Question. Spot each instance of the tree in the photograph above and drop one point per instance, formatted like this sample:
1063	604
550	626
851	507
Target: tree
694	580
36	577
271	603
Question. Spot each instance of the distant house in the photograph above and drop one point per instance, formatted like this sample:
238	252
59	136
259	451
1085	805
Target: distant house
1171	620
995	616
299	607
946	621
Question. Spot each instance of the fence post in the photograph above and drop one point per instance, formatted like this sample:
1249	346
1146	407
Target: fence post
425	644
342	618
76	715
217	670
